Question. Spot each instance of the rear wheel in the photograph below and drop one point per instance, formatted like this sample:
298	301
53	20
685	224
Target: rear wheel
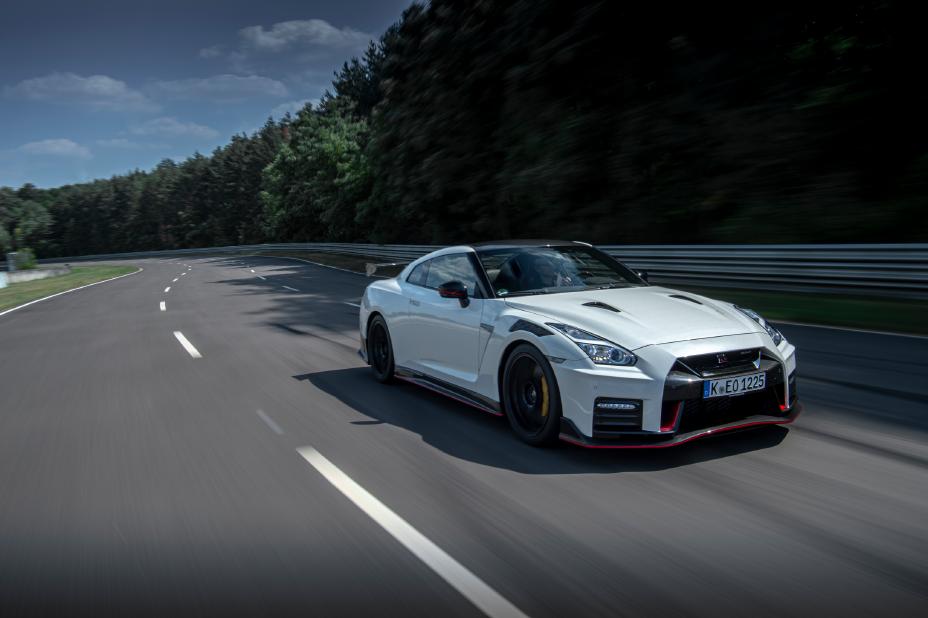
531	399
380	350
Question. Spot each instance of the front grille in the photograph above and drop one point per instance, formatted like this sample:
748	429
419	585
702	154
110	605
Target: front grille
704	413
720	363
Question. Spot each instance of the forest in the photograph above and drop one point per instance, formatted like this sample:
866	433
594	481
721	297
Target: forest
600	121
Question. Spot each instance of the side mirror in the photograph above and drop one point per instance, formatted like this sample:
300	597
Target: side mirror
454	289
643	274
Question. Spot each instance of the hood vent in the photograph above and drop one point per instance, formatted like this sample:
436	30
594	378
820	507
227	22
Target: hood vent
686	298
599	305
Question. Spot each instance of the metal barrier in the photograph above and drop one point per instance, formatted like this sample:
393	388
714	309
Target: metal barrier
887	270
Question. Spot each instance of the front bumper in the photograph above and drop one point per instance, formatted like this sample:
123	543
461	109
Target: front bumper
570	434
666	386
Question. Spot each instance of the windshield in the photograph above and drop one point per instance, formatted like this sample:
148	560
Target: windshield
518	271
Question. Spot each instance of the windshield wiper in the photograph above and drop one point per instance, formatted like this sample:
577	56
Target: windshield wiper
525	293
611	286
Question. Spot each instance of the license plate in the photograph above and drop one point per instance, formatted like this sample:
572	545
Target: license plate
736	385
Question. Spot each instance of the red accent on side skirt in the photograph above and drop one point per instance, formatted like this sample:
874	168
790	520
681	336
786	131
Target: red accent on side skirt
429	387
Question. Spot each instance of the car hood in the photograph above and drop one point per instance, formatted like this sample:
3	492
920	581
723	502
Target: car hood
646	315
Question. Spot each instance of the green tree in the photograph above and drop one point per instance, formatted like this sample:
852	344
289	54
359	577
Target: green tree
24	222
319	177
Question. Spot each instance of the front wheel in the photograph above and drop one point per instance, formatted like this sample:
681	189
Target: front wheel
380	349
531	399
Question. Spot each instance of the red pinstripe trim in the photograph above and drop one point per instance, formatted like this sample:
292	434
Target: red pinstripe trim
708	432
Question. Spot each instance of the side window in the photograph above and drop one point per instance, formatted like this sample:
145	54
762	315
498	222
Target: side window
419	274
455	267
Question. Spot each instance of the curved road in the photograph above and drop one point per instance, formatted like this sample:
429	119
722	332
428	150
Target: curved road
137	478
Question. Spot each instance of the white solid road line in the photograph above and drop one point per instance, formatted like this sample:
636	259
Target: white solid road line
162	306
192	351
851	330
289	288
38	300
352	304
261	278
472	587
270	423
344	270
167	289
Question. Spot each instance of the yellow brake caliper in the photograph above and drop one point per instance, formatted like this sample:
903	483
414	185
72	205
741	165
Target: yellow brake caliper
544	396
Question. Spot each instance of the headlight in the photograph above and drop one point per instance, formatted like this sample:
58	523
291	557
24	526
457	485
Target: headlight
599	350
776	335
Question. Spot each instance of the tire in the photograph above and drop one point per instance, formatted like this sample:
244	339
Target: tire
531	399
380	350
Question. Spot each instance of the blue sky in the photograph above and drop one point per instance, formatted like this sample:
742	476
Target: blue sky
94	88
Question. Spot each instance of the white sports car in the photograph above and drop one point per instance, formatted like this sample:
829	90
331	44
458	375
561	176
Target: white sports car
568	343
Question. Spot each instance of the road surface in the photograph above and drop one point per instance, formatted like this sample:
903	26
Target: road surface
200	450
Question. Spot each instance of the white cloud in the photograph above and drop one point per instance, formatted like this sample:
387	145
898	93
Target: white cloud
302	32
291	107
57	148
97	91
213	51
121	143
173	126
117	142
225	87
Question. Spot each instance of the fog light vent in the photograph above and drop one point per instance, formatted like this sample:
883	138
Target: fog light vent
614	416
610	404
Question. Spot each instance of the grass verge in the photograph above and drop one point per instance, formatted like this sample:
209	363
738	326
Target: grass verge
870	313
17	294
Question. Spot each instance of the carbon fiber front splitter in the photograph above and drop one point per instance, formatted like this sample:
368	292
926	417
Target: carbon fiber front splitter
569	432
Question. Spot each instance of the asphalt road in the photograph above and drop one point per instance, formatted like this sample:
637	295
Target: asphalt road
136	479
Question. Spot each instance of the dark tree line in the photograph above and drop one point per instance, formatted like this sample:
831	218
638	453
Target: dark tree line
589	120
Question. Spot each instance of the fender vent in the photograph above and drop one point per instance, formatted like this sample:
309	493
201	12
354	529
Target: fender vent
686	298
535	329
599	305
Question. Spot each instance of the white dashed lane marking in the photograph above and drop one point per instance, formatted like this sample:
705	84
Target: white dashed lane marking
192	351
457	575
270	423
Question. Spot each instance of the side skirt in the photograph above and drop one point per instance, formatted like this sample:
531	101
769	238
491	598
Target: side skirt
452	391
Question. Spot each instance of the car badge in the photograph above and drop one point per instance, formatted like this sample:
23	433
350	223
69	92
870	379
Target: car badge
722	359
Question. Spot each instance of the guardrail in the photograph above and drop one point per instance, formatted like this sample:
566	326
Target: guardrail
888	270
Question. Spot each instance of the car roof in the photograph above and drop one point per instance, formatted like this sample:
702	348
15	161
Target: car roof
528	242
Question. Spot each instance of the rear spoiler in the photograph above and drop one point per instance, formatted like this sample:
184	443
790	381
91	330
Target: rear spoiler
370	268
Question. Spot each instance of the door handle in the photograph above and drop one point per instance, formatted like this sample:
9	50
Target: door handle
414	303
